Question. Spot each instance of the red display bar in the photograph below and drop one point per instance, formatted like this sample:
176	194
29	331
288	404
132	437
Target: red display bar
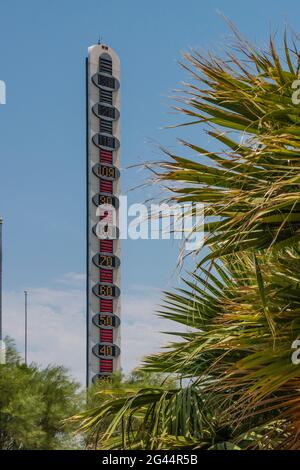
106	216
106	365
106	275
106	305
106	156
106	246
106	336
106	186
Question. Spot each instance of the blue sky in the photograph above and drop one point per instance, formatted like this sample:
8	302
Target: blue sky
43	45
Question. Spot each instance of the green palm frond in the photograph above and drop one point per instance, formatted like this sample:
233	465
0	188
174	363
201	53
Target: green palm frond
237	356
250	188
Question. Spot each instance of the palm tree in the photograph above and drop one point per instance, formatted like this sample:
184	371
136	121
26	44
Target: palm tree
240	308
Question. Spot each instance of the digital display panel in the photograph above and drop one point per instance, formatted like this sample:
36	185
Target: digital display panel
106	142
108	172
102	80
104	231
107	111
107	199
107	82
105	377
106	260
104	110
106	320
106	291
106	350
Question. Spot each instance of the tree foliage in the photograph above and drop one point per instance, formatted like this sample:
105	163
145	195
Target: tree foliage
33	404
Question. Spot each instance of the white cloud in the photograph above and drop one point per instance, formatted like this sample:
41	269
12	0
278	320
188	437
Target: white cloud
56	324
73	279
141	333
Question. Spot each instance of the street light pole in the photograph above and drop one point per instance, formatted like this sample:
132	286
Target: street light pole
26	293
2	345
1	332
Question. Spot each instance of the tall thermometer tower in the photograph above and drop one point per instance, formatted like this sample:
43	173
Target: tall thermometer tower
103	187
